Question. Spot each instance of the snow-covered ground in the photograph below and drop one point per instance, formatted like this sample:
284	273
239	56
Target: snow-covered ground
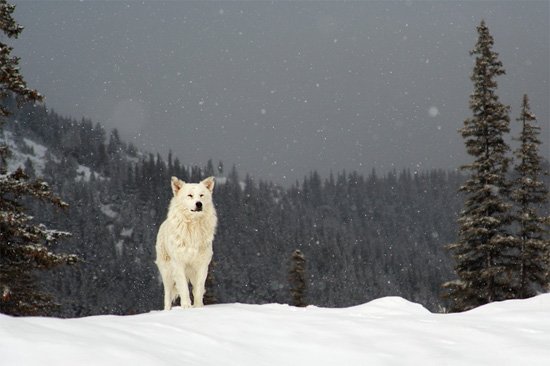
387	331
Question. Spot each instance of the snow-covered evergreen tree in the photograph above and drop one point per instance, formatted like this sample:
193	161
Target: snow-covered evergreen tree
24	246
483	246
530	194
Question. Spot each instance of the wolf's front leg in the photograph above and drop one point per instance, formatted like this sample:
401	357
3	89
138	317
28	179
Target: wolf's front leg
183	287
167	281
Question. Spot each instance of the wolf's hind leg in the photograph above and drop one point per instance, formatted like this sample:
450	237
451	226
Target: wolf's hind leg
198	280
168	284
182	285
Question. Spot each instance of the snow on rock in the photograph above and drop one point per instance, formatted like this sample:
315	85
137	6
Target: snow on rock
387	331
119	247
108	210
127	233
83	173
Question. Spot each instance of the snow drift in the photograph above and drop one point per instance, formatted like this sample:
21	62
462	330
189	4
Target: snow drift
387	331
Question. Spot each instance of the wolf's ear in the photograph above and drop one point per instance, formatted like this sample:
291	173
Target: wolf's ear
209	183
176	185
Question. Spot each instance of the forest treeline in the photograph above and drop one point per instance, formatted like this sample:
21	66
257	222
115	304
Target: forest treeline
363	236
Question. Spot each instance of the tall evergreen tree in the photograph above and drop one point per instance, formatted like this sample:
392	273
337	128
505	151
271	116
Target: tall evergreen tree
482	249
297	279
23	245
530	194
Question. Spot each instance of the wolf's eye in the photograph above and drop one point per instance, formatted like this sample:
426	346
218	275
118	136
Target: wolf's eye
202	195
190	195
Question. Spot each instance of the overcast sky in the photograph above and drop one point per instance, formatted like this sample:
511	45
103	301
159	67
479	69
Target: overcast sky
282	88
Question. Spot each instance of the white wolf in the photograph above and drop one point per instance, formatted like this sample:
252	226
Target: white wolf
184	241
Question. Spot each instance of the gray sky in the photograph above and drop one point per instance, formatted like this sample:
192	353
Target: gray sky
282	88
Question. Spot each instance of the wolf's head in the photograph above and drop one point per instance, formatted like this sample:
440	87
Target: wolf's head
194	199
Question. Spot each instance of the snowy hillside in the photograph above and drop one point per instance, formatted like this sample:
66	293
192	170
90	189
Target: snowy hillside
387	331
24	150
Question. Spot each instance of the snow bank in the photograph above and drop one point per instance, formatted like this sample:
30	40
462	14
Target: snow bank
387	331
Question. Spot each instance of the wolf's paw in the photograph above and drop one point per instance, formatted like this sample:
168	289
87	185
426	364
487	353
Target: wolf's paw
185	305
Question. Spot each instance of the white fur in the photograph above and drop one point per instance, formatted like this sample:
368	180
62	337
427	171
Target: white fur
184	242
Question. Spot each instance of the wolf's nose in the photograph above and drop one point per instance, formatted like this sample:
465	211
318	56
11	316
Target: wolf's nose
199	205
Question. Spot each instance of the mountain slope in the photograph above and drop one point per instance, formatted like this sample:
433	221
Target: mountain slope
362	237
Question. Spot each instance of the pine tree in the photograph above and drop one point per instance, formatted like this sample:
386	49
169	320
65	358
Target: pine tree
530	194
24	246
297	279
483	264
